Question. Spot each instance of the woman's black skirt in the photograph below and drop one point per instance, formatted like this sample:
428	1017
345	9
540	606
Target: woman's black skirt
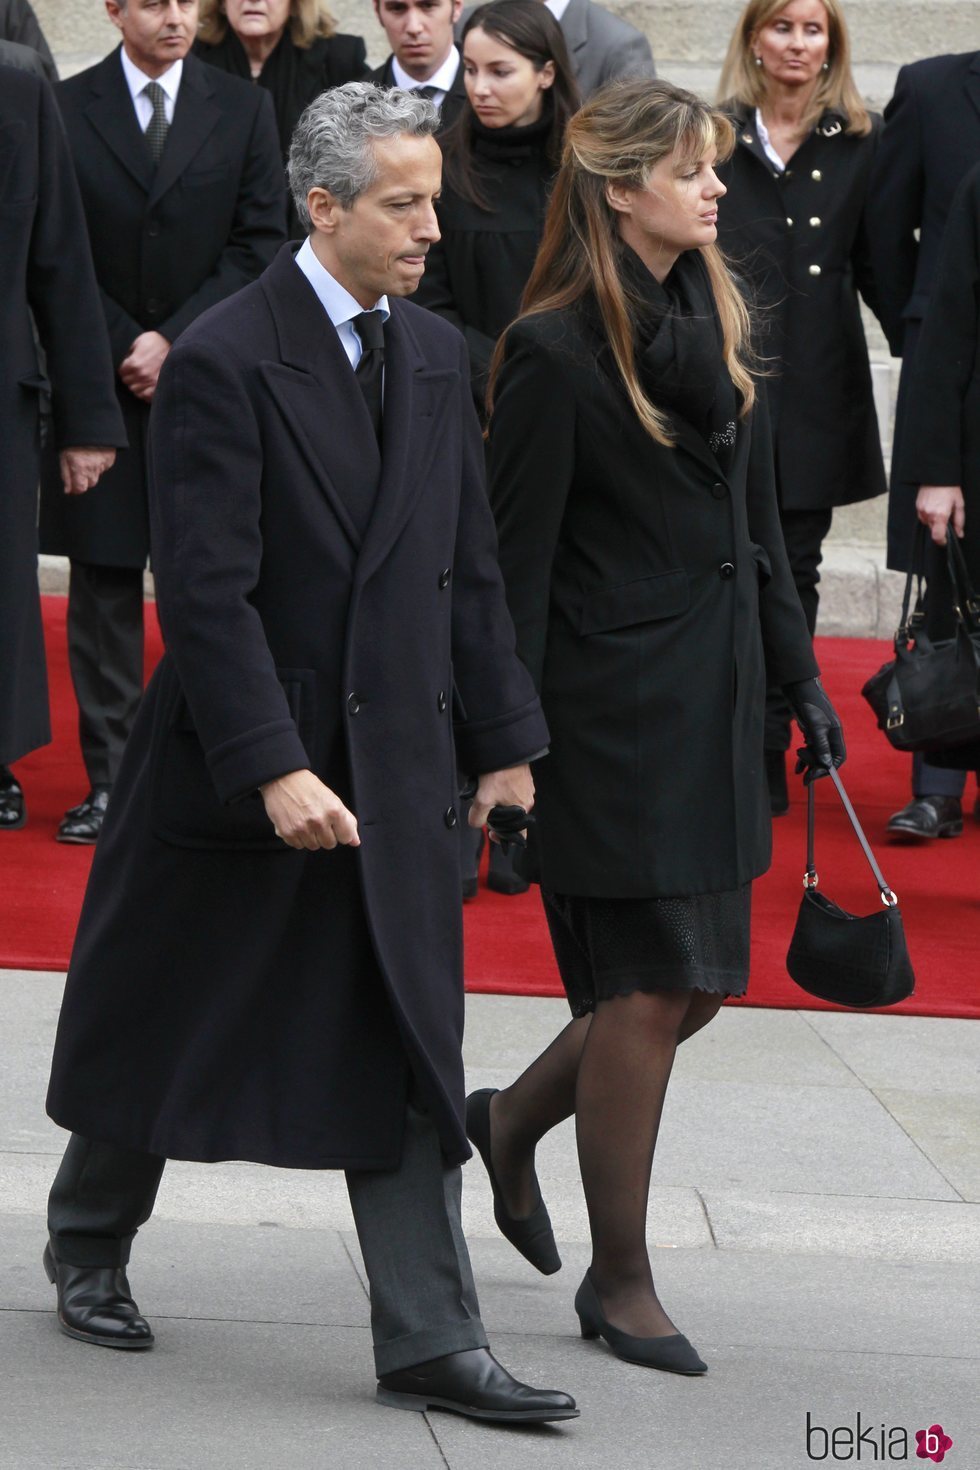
614	946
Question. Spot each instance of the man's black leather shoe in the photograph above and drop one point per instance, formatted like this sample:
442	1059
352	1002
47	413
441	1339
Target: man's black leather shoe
83	823
95	1305
473	1383
13	812
926	817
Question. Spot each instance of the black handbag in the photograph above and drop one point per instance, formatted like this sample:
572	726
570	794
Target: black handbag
850	959
928	696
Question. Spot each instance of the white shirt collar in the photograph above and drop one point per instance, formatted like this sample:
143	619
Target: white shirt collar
136	80
766	141
336	300
442	78
557	7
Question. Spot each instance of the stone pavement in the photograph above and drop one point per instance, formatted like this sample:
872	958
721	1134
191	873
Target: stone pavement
815	1228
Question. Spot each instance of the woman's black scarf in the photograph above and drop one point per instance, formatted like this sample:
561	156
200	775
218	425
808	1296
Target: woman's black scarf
679	347
284	75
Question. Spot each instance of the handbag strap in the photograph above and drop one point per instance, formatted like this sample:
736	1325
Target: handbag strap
810	880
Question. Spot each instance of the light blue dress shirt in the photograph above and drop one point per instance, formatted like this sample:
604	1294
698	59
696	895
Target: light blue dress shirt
337	301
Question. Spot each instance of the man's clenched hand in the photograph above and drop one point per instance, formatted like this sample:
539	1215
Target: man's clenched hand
305	813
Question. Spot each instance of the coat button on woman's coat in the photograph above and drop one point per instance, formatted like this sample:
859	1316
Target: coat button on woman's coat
449	816
441	702
726	571
353	704
444	577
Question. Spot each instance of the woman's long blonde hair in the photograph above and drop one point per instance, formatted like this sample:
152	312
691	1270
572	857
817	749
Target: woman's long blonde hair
309	20
836	91
619	135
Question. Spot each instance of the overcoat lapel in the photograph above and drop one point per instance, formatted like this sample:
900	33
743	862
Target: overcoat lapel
695	444
196	114
574	24
112	114
319	397
416	399
973	82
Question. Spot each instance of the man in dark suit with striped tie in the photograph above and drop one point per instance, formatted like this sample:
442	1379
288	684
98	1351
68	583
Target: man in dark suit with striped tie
424	56
182	183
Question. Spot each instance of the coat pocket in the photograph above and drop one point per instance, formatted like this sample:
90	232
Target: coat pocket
645	601
186	809
763	565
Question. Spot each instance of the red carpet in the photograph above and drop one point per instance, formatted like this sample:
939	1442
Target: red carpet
507	948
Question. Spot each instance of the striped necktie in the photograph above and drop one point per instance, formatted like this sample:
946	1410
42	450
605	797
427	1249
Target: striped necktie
370	368
156	133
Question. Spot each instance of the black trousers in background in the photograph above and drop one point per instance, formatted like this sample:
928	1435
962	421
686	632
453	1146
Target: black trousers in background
105	655
423	1297
804	532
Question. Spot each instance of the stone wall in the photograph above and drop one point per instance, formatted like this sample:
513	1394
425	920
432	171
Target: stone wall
688	36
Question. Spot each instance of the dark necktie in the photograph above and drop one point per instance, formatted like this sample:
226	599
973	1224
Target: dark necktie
369	326
429	93
156	133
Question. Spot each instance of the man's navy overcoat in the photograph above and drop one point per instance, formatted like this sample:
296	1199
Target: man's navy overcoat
328	607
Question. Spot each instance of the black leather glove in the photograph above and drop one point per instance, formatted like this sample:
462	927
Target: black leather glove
821	729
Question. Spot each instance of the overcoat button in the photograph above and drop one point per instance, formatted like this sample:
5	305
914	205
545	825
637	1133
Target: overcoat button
450	816
726	571
441	701
153	229
153	307
353	703
815	220
789	221
816	176
814	270
718	490
444	577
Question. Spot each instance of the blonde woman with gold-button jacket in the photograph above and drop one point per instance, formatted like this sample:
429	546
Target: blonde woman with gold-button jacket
793	227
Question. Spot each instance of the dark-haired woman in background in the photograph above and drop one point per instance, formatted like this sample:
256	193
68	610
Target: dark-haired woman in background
290	47
793	228
501	155
631	480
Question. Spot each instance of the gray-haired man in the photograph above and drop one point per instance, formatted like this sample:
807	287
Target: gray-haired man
272	927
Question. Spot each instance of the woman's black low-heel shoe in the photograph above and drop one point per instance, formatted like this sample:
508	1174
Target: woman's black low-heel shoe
674	1354
533	1236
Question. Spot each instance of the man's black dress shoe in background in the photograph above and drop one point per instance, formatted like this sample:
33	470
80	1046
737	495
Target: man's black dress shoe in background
13	812
83	823
926	817
95	1305
475	1384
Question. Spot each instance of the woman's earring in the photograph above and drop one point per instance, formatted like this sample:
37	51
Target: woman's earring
826	66
758	61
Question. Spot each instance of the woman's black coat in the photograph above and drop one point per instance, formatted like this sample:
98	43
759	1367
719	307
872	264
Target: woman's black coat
799	240
293	75
943	436
476	274
46	273
650	592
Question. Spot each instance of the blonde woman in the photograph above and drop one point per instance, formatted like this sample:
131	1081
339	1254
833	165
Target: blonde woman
290	47
631	479
794	228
